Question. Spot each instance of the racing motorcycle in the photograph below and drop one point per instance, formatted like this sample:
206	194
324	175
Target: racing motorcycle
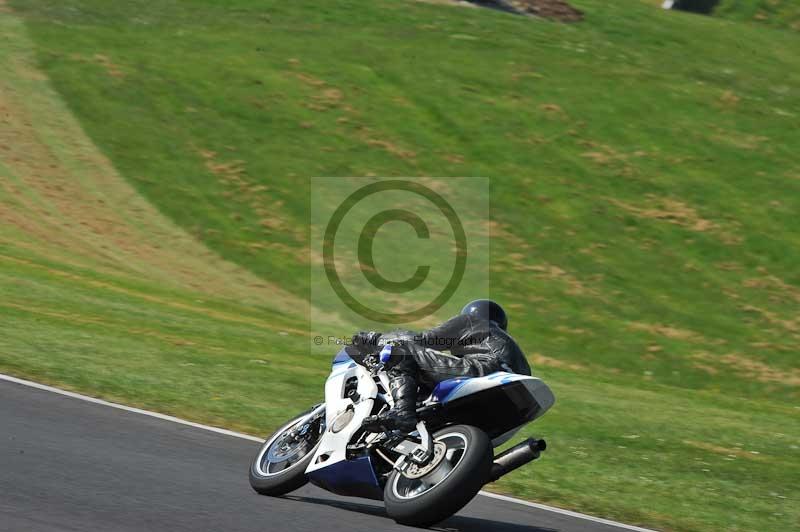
423	477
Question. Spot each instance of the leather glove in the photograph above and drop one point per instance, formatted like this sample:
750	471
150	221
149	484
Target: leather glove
363	345
366	342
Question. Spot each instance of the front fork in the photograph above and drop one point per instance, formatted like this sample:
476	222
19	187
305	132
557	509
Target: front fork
301	427
412	452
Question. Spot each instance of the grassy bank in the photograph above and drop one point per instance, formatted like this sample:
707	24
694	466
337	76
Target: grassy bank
777	13
155	166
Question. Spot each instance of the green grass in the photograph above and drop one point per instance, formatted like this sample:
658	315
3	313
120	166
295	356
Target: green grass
644	192
779	13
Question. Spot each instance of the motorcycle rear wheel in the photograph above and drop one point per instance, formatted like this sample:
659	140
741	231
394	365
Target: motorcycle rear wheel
449	486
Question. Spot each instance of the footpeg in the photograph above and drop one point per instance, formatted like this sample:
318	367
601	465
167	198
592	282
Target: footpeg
413	454
423	454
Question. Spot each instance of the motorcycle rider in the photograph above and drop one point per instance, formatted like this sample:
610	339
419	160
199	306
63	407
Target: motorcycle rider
478	345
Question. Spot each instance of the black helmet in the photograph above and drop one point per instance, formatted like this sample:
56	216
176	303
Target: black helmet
486	309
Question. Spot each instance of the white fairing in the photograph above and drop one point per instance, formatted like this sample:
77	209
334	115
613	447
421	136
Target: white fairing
333	445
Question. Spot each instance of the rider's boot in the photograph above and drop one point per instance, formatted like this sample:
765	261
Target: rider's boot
403	415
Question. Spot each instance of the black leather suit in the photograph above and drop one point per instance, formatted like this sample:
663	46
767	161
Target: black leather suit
476	347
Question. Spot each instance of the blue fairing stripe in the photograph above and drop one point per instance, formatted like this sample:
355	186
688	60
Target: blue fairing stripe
446	388
341	357
354	477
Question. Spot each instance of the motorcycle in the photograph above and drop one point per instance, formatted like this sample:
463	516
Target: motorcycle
423	477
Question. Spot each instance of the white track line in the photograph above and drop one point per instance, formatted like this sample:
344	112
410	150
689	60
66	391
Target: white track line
565	512
243	436
127	408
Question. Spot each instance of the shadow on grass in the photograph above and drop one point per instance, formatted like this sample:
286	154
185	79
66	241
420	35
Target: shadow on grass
457	523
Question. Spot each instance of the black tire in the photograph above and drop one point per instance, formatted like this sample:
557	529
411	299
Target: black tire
452	493
283	482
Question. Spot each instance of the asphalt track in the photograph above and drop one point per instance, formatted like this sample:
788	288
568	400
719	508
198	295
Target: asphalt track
71	465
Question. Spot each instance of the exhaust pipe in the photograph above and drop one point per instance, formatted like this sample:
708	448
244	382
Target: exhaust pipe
517	456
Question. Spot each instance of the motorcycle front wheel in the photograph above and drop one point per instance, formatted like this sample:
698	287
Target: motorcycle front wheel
427	495
281	462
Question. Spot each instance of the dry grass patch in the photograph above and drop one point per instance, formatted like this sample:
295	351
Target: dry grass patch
728	99
575	287
113	69
776	286
791	325
392	148
667	331
233	175
734	452
608	156
680	213
542	360
503	231
750	368
669	210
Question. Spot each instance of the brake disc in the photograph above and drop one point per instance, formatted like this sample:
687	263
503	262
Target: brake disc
415	471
